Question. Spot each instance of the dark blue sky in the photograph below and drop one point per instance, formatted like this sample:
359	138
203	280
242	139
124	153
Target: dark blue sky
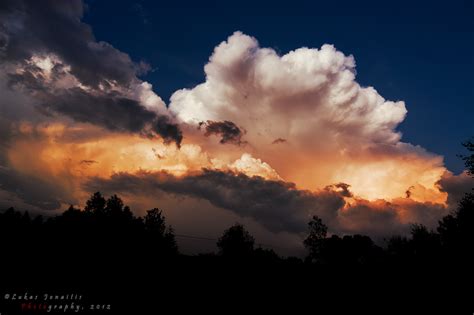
416	51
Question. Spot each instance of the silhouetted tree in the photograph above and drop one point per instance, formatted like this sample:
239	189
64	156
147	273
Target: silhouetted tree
71	213
456	230
236	242
425	244
265	256
334	250
469	159
398	249
155	222
157	231
96	203
314	240
360	249
114	205
70	221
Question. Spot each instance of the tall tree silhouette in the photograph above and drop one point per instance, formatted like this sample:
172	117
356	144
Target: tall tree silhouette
96	203
158	232
314	240
114	205
469	159
457	229
425	244
155	222
236	242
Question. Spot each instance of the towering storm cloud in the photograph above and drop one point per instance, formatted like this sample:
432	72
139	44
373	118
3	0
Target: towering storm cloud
326	126
267	137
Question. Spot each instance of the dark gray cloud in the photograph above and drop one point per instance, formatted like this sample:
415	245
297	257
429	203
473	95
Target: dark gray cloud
374	219
229	132
43	27
456	186
169	131
381	218
28	27
38	192
109	109
277	205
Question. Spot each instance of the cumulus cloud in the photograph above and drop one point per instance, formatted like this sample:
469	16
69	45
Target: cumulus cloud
242	77
328	128
251	166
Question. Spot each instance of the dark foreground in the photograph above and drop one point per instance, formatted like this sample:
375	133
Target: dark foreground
110	286
104	260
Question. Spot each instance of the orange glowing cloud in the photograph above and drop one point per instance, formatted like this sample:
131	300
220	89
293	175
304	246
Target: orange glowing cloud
334	130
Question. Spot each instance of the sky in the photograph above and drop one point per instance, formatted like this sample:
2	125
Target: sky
264	114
